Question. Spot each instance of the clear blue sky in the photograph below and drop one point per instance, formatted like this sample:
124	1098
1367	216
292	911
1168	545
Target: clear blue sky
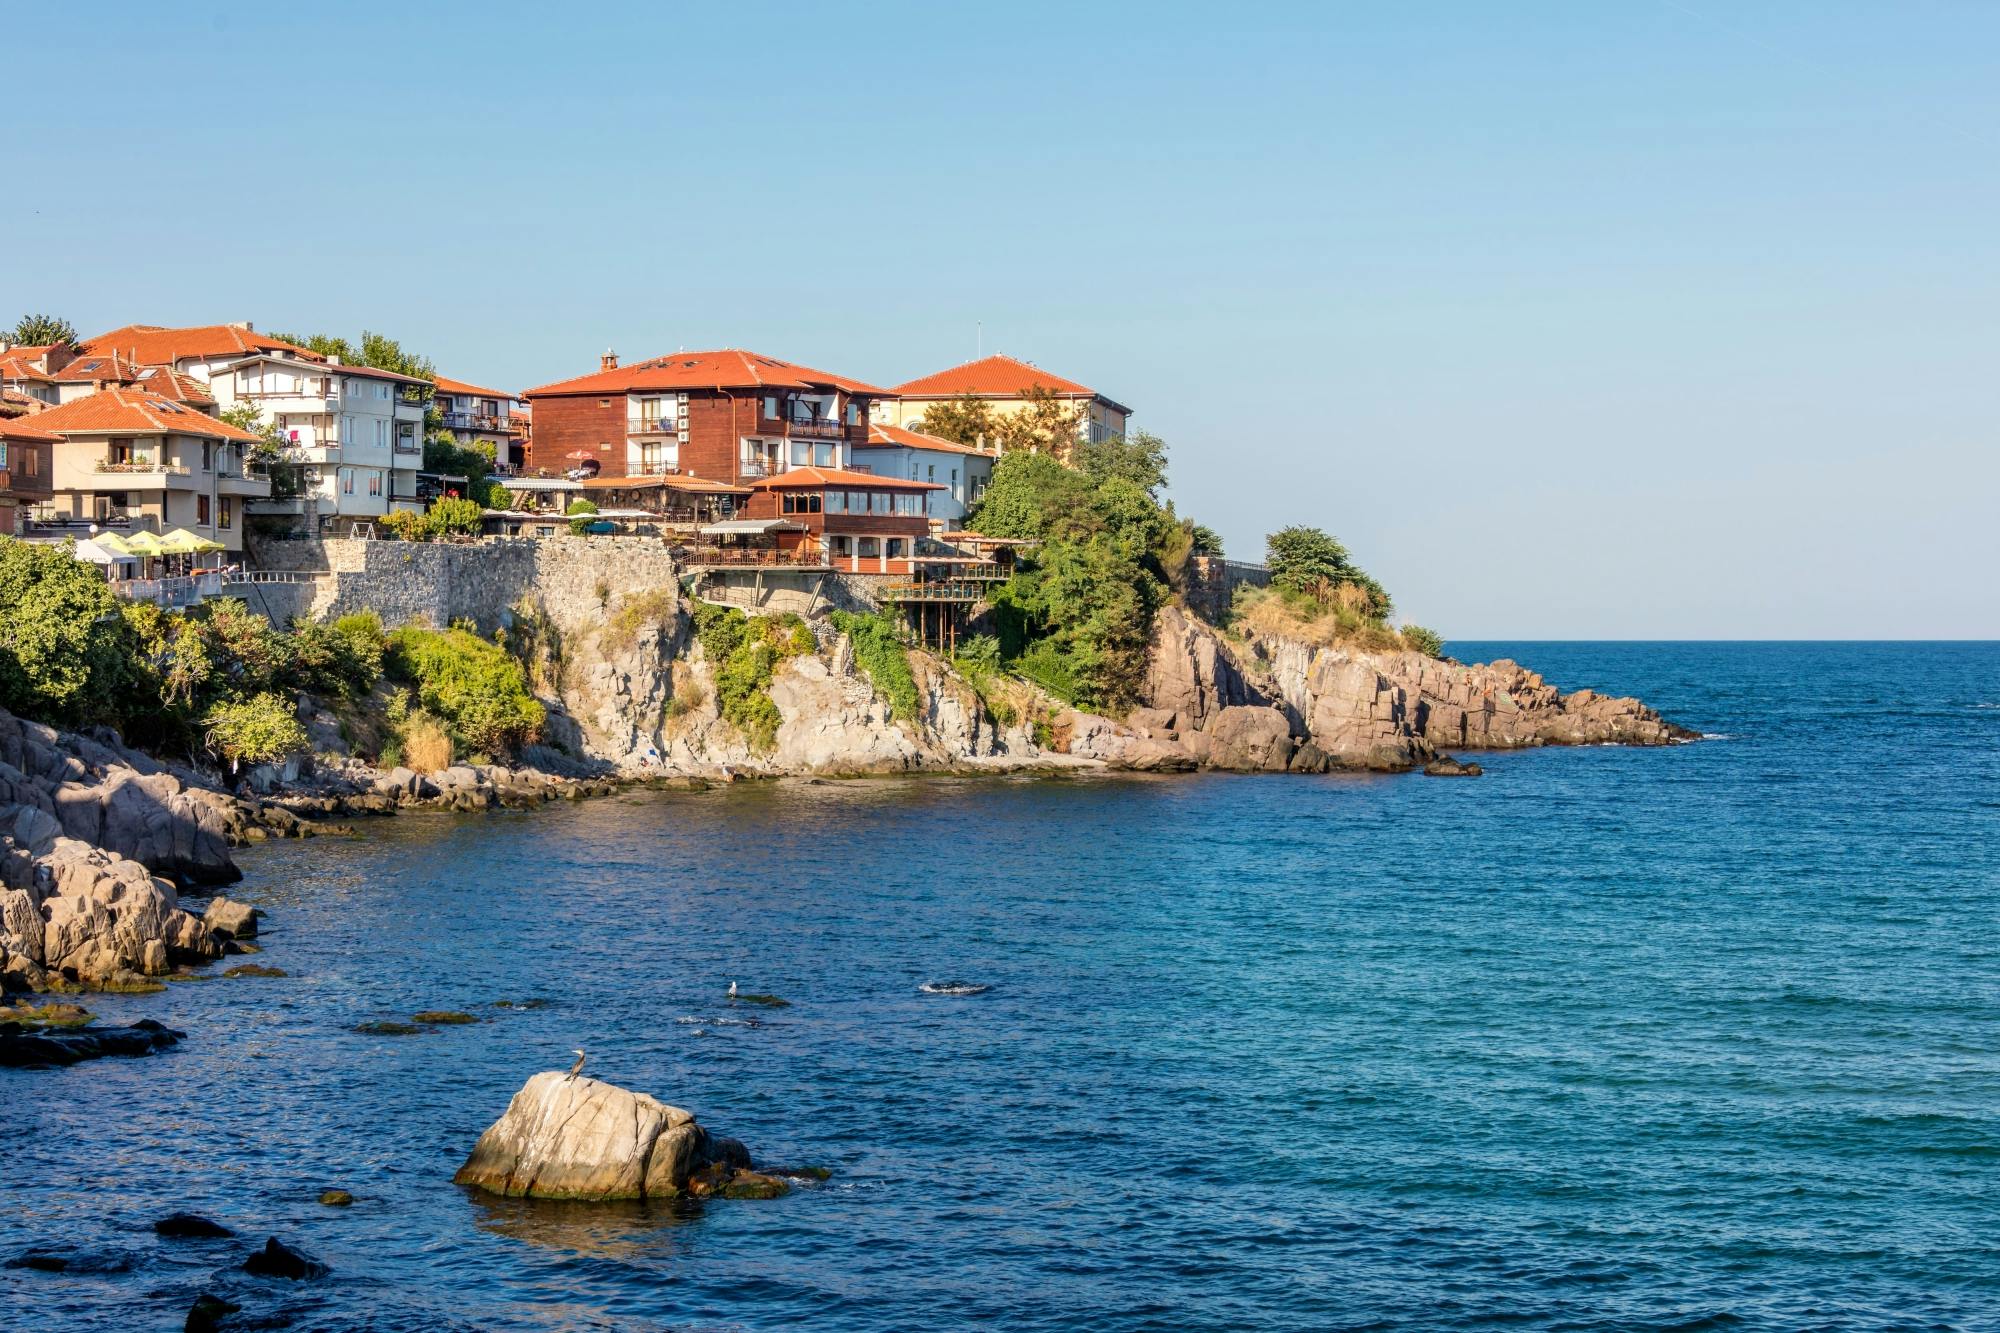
1613	318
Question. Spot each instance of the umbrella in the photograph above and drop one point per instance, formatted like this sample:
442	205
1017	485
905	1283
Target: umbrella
145	544
100	552
182	542
579	455
111	543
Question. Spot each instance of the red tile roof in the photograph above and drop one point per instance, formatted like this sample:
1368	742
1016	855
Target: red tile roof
155	345
113	369
138	412
995	377
19	430
19	364
899	437
459	387
808	477
731	368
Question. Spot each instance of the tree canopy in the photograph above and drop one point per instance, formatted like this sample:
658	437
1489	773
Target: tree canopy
54	663
375	349
41	331
1311	563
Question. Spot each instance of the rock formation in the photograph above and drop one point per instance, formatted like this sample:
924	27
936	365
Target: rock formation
568	1137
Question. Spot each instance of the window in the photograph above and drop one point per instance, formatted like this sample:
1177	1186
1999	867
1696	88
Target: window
223	512
878	502
853	413
801	502
930	472
897	548
374	483
913	470
910	506
954	483
836	502
771	406
208	456
857	502
868	548
346	481
201	511
801	453
823	455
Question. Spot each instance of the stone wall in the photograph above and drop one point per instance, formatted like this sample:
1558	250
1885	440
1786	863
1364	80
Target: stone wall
1212	583
436	583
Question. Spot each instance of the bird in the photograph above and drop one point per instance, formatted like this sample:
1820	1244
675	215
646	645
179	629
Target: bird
732	990
576	1068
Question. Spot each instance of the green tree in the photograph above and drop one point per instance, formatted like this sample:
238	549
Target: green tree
262	729
453	517
479	691
966	419
1312	564
56	655
245	416
1047	424
1140	459
375	349
581	516
42	331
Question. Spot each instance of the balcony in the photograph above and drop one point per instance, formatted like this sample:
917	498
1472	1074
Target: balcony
661	426
141	467
240	483
485	421
411	445
751	557
815	428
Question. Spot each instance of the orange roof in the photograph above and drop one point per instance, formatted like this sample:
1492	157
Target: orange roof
19	430
731	368
898	437
19	364
807	477
446	384
112	368
992	377
139	412
173	384
156	345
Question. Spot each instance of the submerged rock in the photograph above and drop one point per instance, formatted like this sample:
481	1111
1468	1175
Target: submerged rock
568	1137
1444	766
444	1016
21	1048
280	1260
190	1226
254	970
387	1028
208	1312
336	1198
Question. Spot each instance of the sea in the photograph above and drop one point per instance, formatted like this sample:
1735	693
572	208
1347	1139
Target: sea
1704	1037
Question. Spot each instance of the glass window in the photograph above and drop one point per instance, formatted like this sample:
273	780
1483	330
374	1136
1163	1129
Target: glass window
823	455
771	405
857	502
222	520
801	453
909	504
853	413
878	502
201	510
897	547
836	502
868	547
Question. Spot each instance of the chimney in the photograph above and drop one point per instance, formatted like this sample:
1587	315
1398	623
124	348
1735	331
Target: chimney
245	325
609	361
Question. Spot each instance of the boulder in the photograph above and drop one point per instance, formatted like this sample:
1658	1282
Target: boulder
568	1137
41	1049
231	919
280	1260
190	1226
1444	766
1249	739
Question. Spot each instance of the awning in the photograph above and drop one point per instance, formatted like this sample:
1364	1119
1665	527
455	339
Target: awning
691	485
750	527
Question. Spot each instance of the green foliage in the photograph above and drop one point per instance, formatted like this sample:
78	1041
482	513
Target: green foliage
1207	541
41	331
580	516
1047	423
879	652
494	496
1141	460
375	349
454	517
261	729
343	659
57	658
1308	563
245	416
978	660
743	654
476	688
404	526
640	611
1426	641
966	419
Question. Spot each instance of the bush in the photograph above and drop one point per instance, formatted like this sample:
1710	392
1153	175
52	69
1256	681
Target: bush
57	662
454	517
743	655
475	687
580	516
1045	664
404	526
258	730
342	659
422	743
639	611
1420	640
879	652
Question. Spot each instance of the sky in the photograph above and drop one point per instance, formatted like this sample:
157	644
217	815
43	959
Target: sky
1605	319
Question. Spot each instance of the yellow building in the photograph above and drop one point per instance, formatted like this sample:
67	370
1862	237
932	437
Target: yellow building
1004	383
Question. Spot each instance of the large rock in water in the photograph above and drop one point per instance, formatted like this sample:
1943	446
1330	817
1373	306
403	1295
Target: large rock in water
569	1137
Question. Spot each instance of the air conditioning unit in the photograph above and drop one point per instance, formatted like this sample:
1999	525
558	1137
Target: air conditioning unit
684	434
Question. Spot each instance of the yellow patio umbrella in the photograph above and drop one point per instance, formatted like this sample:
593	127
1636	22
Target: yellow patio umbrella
144	544
182	542
111	542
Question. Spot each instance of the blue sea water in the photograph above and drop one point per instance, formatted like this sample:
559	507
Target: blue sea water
1702	1037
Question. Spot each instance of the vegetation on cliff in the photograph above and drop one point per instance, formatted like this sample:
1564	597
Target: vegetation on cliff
474	688
743	655
1319	595
879	652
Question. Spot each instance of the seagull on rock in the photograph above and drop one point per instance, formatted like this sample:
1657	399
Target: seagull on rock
732	990
576	1068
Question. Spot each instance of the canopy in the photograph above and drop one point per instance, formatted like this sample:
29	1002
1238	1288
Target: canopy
99	551
750	527
182	542
144	543
111	543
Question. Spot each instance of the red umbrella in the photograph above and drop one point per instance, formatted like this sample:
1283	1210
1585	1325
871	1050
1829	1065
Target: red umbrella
579	455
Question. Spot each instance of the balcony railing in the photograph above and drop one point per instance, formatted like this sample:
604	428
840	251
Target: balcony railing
409	446
661	426
475	421
765	557
816	428
130	468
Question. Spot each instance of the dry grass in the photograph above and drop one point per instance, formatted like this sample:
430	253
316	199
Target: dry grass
426	744
640	611
1269	612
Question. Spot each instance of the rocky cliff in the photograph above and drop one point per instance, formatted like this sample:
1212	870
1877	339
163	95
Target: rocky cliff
1282	704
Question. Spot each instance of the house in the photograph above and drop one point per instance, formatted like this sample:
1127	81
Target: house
352	436
130	459
731	416
479	418
1004	383
30	372
963	471
24	471
855	522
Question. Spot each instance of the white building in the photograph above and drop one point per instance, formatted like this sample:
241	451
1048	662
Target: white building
354	435
481	418
894	451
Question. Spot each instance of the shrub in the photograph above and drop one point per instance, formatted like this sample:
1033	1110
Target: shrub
646	610
454	517
405	526
343	659
54	657
743	655
580	517
423	743
879	652
475	687
259	730
1420	640
1045	664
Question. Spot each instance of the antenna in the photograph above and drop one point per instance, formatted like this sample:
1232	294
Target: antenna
979	337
